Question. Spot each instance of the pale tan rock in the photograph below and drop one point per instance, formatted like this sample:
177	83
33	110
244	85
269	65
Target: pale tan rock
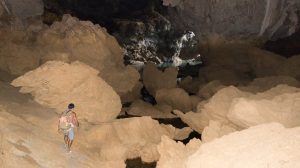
266	83
218	106
195	101
210	89
56	84
90	44
129	138
68	40
215	130
134	94
269	145
191	85
173	154
29	137
141	108
177	98
197	121
155	79
280	104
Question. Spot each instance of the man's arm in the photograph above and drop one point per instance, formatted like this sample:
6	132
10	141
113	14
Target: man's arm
77	123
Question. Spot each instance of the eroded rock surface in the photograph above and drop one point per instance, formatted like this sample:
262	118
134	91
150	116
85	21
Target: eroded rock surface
269	145
56	84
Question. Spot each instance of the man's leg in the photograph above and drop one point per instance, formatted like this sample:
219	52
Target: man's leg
70	138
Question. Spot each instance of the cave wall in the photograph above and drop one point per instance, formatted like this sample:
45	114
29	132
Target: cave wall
270	19
22	8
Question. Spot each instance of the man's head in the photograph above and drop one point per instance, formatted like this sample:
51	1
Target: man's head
71	106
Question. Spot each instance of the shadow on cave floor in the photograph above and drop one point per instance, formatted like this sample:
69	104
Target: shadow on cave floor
138	163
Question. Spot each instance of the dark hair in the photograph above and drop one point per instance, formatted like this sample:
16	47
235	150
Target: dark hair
71	106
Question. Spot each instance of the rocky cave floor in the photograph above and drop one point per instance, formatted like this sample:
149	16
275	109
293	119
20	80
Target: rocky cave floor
239	108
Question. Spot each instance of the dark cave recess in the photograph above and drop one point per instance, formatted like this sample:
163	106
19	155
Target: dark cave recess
104	12
286	47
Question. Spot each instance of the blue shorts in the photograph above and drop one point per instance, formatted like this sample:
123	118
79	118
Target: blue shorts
71	133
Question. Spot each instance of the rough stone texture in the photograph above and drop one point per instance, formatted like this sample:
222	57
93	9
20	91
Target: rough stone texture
239	109
29	137
155	79
280	104
291	67
56	84
24	8
215	130
69	40
237	63
90	44
189	84
129	138
266	83
1	10
174	154
177	98
210	89
141	108
197	121
134	94
242	18
269	145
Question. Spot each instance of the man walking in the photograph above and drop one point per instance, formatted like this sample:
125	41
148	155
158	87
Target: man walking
67	123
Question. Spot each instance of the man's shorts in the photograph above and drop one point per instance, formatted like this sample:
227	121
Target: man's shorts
71	133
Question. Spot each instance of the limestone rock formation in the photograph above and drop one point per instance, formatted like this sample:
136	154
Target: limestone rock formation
55	84
174	154
266	83
280	104
247	18
141	108
155	79
269	145
210	89
238	109
189	84
215	130
129	138
69	40
177	98
29	137
72	39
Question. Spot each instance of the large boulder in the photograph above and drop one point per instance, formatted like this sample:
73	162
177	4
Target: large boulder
141	108
71	40
177	98
130	138
280	104
174	154
154	79
55	84
269	145
266	83
68	40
